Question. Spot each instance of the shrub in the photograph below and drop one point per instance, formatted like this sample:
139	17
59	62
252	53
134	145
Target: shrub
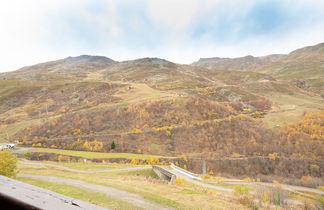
240	190
320	188
153	161
135	130
272	156
134	161
273	195
8	164
178	181
168	133
93	146
246	201
63	158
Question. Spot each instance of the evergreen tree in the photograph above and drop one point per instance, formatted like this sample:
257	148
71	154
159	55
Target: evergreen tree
113	145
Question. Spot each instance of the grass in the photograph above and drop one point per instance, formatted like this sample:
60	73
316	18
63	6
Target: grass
291	108
95	154
81	194
88	166
141	182
12	129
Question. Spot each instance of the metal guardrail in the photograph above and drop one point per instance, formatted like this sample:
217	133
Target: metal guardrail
185	172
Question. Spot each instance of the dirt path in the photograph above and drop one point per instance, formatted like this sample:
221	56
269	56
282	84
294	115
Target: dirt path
82	171
134	199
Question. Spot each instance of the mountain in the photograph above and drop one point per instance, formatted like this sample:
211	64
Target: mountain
246	63
151	105
304	66
67	68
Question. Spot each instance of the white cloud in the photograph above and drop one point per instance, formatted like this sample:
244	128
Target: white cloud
36	31
173	14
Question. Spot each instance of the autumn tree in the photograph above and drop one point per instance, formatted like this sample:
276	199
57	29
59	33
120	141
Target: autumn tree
8	164
93	146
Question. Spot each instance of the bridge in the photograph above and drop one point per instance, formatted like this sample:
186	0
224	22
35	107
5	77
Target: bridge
164	174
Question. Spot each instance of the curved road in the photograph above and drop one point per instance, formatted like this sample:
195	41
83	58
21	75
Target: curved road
131	198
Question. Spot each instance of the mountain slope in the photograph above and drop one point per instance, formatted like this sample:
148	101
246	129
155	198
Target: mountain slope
246	63
151	105
304	66
74	68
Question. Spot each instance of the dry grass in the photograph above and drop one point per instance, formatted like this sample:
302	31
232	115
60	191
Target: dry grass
140	183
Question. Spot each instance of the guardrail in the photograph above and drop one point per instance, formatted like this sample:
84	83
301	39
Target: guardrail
185	172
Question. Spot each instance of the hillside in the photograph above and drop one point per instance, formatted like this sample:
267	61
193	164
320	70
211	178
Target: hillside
154	106
246	63
303	66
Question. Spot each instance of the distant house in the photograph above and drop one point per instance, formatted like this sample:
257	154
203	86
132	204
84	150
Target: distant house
4	146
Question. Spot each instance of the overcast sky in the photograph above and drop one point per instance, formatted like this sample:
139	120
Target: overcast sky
33	31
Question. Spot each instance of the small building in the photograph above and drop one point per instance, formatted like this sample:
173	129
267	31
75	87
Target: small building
4	146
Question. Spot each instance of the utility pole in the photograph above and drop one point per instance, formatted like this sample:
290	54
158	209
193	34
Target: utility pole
8	136
204	167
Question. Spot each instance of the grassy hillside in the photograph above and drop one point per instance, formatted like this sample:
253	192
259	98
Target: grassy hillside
154	106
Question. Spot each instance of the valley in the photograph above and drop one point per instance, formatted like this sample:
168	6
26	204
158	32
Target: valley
252	119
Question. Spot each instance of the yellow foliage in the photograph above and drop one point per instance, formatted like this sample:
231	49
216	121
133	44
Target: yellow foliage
305	178
135	130
93	146
315	167
241	190
76	131
272	156
134	161
275	182
63	158
178	181
165	128
184	158
153	161
210	173
168	133
320	188
8	163
247	179
37	145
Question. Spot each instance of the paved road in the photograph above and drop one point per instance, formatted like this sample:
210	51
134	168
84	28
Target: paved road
284	186
189	179
133	199
82	171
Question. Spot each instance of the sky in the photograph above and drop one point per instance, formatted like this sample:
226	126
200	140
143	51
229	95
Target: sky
181	31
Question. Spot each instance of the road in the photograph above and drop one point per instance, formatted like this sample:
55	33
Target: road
131	198
82	171
189	179
283	186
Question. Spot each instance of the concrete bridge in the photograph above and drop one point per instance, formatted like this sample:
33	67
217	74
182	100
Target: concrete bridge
164	174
